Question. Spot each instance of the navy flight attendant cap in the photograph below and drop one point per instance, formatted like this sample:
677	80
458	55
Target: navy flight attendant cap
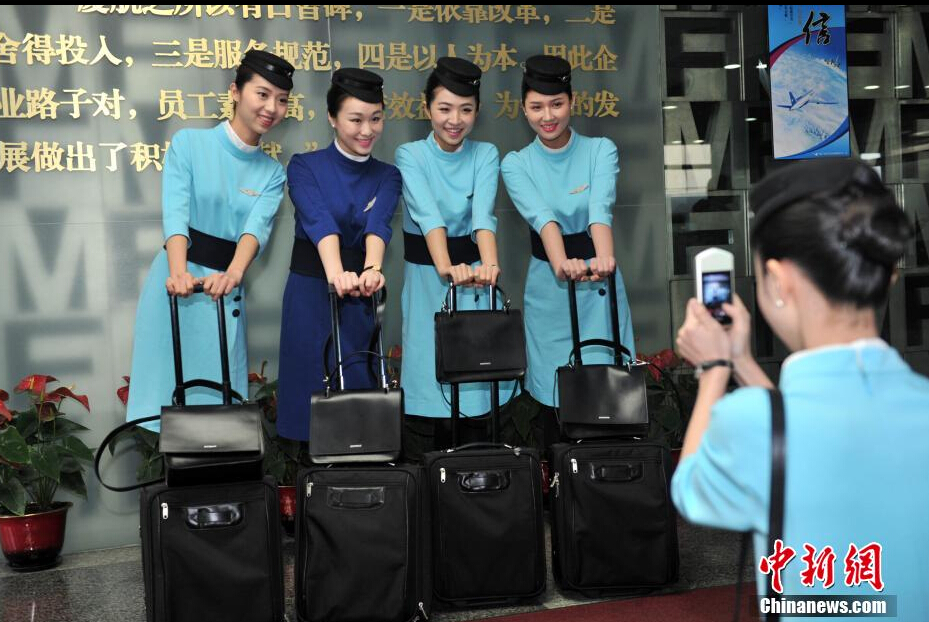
460	76
548	75
361	83
272	68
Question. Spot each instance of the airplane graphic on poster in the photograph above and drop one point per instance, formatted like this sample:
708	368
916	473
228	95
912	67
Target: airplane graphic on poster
797	103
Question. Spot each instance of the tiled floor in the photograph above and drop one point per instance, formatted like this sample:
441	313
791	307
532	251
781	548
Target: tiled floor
106	586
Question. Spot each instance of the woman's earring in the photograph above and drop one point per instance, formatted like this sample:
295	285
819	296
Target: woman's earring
779	303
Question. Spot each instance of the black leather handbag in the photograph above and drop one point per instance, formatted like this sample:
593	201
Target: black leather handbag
601	401
209	444
202	444
479	345
358	425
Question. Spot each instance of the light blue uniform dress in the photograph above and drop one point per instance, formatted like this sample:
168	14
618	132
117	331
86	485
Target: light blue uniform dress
456	191
574	186
857	437
224	189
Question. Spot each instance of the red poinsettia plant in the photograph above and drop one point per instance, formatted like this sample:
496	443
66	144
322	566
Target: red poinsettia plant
39	449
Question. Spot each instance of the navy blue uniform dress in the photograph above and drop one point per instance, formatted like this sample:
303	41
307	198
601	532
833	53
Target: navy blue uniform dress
332	194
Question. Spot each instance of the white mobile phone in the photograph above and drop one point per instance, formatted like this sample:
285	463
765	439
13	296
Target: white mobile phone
715	272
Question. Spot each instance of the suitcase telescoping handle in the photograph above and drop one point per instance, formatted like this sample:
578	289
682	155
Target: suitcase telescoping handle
180	387
450	307
378	304
576	344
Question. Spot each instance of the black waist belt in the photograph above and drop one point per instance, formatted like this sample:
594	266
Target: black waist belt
210	251
576	246
305	259
460	250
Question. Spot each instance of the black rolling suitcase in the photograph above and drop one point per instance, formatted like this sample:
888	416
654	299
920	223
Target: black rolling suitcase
614	528
362	545
211	539
488	536
362	529
212	552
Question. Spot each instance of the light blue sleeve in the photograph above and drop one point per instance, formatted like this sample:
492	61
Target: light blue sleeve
177	188
486	177
725	482
422	205
261	218
525	196
603	184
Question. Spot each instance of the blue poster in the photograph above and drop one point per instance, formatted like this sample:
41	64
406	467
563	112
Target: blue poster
809	80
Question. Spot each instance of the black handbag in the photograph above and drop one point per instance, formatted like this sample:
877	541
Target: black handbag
601	401
360	425
480	345
203	444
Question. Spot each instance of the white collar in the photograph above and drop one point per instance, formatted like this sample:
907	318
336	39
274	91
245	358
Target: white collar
436	140
350	156
560	149
858	345
240	144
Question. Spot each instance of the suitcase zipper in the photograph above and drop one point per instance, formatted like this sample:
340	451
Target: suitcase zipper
422	609
442	475
309	489
164	511
556	484
574	465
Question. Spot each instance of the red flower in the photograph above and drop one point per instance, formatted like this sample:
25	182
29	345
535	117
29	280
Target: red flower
255	377
35	384
123	392
60	393
4	411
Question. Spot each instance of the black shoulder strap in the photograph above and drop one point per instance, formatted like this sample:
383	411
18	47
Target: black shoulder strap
776	513
778	457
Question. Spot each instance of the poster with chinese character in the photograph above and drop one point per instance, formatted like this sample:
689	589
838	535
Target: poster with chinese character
809	80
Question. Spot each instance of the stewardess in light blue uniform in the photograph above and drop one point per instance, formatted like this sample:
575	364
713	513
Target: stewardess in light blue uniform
452	188
826	239
574	186
220	193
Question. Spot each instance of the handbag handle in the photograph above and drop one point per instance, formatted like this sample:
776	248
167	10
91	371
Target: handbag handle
106	443
328	377
617	353
450	304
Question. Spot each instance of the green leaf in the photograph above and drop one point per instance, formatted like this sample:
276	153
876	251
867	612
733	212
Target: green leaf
66	427
13	447
76	447
74	482
13	497
70	464
45	459
150	469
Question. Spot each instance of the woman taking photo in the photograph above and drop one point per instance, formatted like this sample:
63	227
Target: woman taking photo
564	185
220	193
344	200
826	238
449	231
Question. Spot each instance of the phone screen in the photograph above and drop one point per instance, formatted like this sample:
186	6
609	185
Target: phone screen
717	289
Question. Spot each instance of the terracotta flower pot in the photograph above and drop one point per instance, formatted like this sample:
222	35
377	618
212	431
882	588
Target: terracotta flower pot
34	541
288	505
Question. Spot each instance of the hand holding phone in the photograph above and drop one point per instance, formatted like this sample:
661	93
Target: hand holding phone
715	274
